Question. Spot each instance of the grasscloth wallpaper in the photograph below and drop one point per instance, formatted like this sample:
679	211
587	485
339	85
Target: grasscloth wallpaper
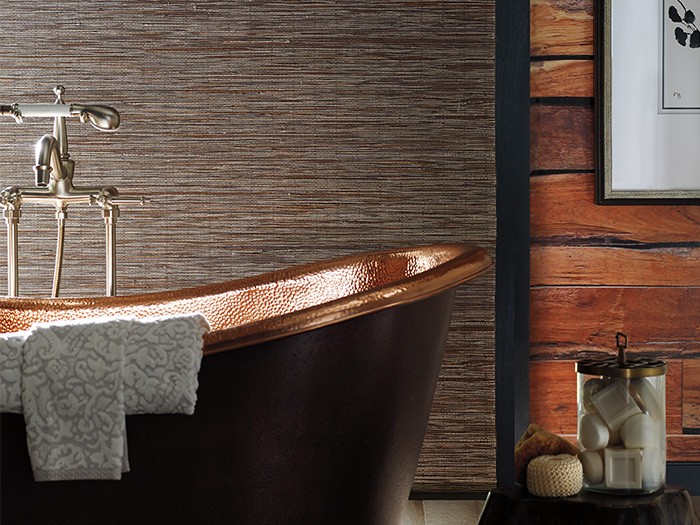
271	133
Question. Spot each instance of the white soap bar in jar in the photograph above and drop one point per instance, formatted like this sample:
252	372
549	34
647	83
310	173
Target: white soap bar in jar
623	468
615	404
591	388
648	397
593	433
639	431
592	462
652	467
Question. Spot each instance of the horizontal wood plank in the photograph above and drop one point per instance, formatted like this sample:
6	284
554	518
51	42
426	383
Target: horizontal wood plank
683	447
561	137
561	78
614	266
553	396
553	386
688	349
663	321
563	211
561	27
691	394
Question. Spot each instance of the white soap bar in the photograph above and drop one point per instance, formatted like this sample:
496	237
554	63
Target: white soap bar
639	431
623	468
649	397
590	388
592	463
593	432
615	405
652	468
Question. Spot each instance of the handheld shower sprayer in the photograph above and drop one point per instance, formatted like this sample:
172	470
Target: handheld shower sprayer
103	118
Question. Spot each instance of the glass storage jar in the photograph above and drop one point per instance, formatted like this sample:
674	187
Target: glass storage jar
622	423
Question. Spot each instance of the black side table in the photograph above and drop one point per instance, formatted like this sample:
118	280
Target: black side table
515	505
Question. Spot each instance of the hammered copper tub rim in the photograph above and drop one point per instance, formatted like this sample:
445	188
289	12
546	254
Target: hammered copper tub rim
454	264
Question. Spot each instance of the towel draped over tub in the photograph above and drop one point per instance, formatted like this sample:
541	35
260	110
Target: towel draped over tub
75	381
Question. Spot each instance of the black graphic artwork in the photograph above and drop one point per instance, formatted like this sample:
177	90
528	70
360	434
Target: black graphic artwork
687	33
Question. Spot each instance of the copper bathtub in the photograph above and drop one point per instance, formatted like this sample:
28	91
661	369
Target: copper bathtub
313	402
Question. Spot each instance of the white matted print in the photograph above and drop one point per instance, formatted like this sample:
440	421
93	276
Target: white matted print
680	56
645	154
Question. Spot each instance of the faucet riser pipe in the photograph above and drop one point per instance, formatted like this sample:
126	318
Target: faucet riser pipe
12	215
58	265
110	218
12	258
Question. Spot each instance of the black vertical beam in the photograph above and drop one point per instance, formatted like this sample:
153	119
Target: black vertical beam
513	240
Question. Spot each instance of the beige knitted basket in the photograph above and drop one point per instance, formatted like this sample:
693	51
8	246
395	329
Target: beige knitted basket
554	476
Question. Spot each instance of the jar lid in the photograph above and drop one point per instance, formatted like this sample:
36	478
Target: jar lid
621	365
633	367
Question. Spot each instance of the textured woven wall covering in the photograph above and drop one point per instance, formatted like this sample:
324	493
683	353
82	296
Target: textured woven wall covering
270	134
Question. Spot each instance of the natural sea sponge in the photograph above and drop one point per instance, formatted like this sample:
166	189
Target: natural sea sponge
537	441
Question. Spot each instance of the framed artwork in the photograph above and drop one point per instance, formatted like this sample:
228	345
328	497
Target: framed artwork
648	102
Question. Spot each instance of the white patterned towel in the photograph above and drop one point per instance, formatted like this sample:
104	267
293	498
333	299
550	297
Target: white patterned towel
78	379
73	399
161	363
11	371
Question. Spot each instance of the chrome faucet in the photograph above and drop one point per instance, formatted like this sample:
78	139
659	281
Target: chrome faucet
53	185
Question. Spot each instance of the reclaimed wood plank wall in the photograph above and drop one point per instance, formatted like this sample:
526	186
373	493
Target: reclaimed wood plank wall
596	270
269	134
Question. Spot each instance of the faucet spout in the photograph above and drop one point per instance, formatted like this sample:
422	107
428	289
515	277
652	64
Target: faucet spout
48	161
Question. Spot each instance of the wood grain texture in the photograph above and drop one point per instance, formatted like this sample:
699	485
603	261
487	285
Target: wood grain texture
561	78
661	321
561	137
270	134
440	510
561	27
563	212
599	269
553	396
691	394
685	447
614	266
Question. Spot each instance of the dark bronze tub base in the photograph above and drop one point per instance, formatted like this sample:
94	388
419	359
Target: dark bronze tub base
320	427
